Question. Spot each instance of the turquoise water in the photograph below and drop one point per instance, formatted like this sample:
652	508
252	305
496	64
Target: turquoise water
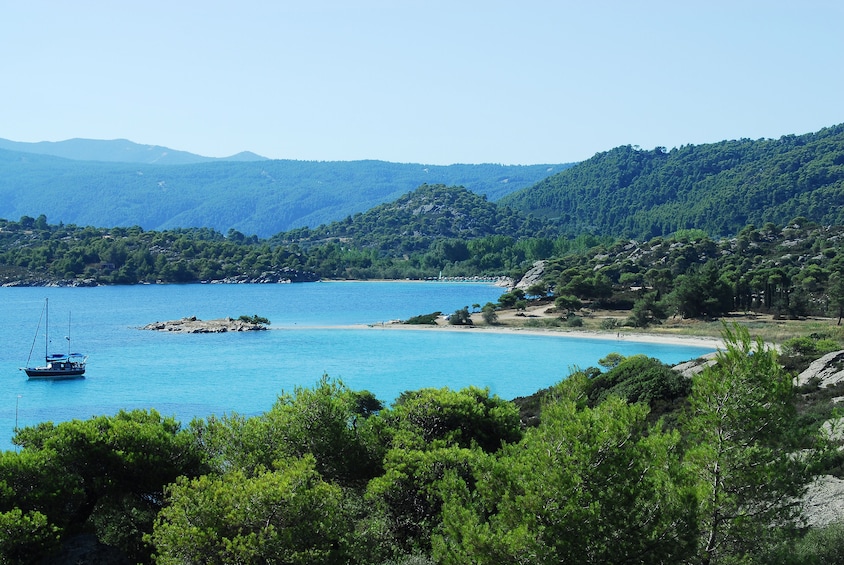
187	376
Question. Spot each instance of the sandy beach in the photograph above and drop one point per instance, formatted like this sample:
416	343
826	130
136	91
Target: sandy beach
626	336
542	319
514	323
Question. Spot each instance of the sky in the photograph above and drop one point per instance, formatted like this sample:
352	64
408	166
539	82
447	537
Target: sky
419	81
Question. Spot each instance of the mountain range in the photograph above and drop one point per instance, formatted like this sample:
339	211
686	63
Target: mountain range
624	192
119	183
118	151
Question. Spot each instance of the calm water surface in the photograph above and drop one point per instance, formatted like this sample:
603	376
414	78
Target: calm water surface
189	376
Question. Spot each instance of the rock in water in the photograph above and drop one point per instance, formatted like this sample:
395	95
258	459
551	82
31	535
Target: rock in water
193	325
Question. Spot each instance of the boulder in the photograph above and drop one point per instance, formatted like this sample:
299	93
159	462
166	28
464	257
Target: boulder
826	371
533	275
695	366
823	502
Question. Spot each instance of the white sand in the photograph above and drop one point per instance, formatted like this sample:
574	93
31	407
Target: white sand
714	343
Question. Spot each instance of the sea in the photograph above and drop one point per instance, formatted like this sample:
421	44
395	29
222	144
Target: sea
316	329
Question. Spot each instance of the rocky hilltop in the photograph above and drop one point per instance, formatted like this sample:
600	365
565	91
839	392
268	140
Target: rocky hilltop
193	325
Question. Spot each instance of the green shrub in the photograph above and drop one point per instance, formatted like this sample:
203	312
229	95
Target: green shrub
256	319
820	546
609	324
489	314
461	317
641	379
424	319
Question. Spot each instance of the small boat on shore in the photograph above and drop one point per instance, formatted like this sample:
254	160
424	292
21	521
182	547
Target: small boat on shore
56	365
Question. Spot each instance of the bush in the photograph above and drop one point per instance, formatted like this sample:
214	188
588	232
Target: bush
424	319
256	319
567	303
489	314
641	379
609	324
800	346
799	352
820	546
461	317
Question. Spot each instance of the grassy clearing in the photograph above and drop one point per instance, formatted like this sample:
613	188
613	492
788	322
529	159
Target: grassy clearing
759	325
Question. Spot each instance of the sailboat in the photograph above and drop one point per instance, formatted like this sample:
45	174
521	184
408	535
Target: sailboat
56	365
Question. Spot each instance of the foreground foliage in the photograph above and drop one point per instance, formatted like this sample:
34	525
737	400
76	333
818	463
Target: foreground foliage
589	485
741	428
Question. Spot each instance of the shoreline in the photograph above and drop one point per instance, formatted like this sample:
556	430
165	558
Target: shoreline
482	281
638	337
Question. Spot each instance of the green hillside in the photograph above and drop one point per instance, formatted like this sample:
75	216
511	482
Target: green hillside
719	187
260	198
416	219
432	230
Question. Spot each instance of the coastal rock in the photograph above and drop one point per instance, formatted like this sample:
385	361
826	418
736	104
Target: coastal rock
826	371
193	325
40	282
823	502
533	275
275	276
833	429
695	366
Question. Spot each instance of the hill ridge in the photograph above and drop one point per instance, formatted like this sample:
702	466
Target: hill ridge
718	187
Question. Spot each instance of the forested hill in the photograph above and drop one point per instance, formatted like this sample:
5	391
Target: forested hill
415	220
719	187
259	198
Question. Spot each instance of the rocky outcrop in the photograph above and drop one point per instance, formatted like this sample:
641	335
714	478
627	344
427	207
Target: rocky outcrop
826	371
695	366
193	325
823	502
275	276
534	275
284	275
40	282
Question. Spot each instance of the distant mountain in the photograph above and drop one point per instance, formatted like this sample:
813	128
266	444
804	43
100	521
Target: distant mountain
718	187
118	151
254	197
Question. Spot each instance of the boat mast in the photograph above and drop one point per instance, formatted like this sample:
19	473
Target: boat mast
46	329
68	336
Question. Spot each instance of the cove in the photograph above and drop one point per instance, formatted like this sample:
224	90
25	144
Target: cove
193	376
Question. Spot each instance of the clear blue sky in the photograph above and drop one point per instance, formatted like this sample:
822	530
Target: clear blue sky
423	81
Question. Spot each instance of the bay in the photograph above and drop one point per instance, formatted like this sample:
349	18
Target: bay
317	328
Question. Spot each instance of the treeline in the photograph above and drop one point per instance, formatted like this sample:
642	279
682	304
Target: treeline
718	187
88	255
432	230
791	271
329	475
